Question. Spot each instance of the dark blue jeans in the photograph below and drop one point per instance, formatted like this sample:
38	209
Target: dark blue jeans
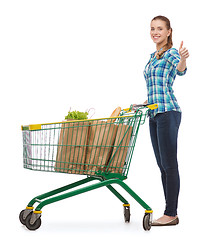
164	134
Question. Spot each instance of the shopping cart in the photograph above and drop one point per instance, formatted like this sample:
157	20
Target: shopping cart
101	149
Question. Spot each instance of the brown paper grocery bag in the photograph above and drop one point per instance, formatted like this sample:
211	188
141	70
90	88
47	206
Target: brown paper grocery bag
121	145
72	146
100	143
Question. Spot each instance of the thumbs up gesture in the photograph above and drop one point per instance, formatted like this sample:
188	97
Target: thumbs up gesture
183	52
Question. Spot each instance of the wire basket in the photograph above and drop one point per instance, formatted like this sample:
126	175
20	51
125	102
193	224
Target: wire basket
102	147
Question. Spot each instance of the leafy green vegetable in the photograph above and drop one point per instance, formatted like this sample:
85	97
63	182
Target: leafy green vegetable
77	115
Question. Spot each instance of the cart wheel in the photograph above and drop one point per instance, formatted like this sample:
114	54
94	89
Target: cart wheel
146	222
35	225
127	213
21	216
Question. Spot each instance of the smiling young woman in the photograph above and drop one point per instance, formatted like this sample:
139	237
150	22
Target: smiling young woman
161	34
160	73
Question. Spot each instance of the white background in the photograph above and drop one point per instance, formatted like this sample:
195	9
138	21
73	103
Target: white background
91	53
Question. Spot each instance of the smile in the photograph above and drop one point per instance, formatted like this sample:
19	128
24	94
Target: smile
155	37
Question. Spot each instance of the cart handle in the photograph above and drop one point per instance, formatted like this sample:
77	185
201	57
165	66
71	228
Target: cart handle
150	106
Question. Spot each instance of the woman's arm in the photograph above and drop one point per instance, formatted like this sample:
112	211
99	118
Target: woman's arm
184	54
182	65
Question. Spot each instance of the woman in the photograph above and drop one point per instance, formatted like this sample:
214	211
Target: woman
160	73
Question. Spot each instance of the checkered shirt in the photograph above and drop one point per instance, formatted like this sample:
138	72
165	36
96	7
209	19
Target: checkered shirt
160	75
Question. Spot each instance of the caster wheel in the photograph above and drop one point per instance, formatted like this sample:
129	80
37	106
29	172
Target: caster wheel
36	223
146	222
127	213
23	216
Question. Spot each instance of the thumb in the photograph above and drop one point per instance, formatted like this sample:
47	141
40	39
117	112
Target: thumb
181	45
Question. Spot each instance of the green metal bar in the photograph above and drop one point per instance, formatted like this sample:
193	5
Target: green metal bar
117	194
114	191
72	193
133	194
60	190
92	187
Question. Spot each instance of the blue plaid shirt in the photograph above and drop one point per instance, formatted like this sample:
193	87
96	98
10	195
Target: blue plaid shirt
160	75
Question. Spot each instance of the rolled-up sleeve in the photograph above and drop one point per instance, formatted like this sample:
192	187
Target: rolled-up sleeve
181	73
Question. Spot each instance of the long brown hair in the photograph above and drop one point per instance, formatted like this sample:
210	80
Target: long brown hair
169	39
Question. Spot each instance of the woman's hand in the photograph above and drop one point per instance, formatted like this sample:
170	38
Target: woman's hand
133	105
184	54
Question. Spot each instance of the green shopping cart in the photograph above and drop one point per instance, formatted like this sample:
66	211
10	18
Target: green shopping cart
99	149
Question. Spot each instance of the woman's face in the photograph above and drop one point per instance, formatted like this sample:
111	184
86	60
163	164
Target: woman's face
159	32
